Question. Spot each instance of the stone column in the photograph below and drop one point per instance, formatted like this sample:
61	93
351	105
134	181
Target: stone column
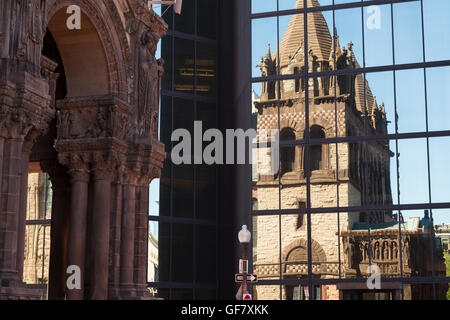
23	206
115	241
5	28
77	233
99	237
2	143
59	231
141	238
2	244
9	211
127	238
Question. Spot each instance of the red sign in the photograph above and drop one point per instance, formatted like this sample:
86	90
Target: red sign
306	293
246	296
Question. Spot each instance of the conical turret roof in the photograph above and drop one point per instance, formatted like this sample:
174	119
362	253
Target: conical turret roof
319	38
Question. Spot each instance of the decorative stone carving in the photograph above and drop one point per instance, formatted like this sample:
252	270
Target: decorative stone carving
150	74
97	137
100	117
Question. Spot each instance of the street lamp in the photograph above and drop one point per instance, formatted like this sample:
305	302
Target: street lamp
244	237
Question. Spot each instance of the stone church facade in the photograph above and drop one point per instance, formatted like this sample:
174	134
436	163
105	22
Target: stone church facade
336	109
82	105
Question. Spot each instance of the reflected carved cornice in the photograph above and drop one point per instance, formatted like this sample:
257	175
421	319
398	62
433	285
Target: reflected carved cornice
274	103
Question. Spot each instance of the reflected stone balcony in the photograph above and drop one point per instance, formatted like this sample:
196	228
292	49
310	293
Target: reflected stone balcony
414	250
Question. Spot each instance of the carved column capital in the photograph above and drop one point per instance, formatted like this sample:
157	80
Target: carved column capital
144	180
79	173
102	167
103	174
130	177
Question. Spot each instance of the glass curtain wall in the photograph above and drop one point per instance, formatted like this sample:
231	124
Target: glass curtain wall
183	203
359	93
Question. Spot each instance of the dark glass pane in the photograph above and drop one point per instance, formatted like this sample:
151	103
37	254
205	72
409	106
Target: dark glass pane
164	252
184	65
207	17
185	22
207	114
164	293
206	254
205	294
166	122
164	191
206	69
165	133
206	192
183	191
206	174
167	55
182	294
183	255
183	174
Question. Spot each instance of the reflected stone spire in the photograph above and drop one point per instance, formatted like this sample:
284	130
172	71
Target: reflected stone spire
319	38
268	65
335	50
268	53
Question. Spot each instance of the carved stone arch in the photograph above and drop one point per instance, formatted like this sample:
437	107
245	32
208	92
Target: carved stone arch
289	123
299	245
124	52
105	24
317	122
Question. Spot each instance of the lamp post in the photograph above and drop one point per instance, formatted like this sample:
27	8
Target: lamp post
244	237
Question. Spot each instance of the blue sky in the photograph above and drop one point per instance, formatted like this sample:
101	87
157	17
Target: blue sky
410	85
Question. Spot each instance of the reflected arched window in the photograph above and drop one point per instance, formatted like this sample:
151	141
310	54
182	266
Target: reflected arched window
271	90
287	154
301	216
297	80
316	132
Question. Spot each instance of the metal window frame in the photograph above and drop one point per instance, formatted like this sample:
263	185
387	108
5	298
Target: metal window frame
195	98
365	139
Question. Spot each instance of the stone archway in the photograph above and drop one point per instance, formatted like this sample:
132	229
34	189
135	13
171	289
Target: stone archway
96	56
298	250
100	153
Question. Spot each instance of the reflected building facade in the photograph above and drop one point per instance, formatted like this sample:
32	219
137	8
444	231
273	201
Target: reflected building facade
349	174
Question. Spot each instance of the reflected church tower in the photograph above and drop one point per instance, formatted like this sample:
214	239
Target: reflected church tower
338	107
